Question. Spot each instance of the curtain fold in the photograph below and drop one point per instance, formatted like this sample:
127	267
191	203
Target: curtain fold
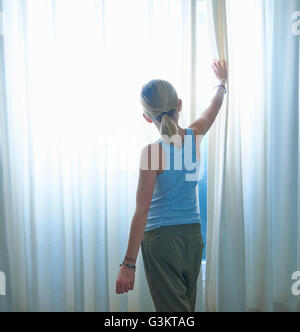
225	260
253	170
4	263
282	108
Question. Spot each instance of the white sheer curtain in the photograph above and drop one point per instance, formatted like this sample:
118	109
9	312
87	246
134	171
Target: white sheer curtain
71	134
253	164
225	260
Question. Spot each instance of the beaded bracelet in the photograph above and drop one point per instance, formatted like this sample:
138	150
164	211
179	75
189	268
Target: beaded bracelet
130	266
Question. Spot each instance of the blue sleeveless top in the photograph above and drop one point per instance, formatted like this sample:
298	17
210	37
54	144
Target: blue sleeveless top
175	200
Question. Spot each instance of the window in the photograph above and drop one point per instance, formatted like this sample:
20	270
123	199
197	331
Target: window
77	67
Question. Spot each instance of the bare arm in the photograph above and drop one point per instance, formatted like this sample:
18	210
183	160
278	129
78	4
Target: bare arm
125	280
207	118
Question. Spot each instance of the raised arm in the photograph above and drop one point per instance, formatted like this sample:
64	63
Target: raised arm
207	118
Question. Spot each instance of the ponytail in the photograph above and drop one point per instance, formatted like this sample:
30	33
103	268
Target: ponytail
160	101
168	129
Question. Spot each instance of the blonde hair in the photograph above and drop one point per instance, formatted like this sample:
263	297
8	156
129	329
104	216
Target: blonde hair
160	102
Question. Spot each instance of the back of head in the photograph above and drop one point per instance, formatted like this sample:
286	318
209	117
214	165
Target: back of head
159	97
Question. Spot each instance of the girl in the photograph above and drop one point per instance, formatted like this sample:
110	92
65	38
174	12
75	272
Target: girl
166	223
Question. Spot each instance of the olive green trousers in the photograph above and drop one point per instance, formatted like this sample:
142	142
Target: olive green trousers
172	259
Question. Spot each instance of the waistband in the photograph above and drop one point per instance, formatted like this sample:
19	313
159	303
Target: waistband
176	230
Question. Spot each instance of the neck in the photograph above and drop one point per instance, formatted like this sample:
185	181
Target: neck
181	131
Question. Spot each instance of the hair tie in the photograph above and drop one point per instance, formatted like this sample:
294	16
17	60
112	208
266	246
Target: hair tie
158	118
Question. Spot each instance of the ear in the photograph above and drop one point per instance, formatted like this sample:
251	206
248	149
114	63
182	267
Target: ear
147	118
180	105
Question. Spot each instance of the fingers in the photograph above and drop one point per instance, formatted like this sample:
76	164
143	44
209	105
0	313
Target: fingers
225	67
214	67
220	68
125	280
215	64
219	64
124	286
131	286
119	289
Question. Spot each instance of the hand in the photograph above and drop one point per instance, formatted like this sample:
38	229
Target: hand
220	69
125	280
